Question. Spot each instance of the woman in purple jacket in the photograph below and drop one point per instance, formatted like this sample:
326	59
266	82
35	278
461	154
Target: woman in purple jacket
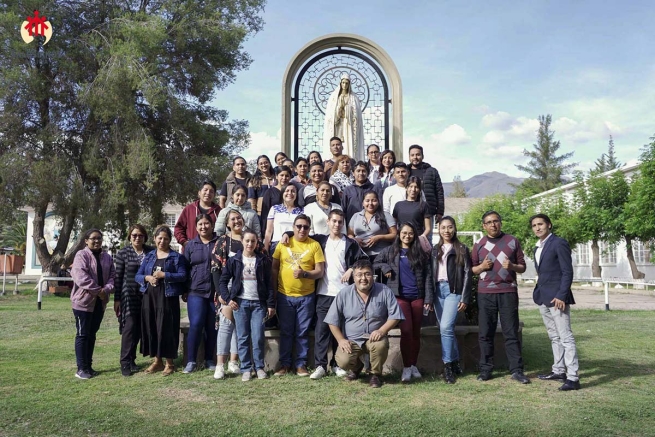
93	281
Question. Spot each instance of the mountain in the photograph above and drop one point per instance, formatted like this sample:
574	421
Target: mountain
486	184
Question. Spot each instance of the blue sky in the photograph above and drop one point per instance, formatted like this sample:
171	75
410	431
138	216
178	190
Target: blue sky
476	75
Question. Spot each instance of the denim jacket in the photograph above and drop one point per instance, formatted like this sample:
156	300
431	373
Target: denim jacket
176	270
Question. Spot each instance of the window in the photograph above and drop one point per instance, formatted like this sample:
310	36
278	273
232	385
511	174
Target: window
170	220
607	253
582	253
641	252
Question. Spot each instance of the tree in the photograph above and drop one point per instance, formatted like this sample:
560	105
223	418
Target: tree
458	188
545	168
607	161
638	214
110	120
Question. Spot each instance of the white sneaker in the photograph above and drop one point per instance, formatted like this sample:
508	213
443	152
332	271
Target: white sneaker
219	373
407	374
233	367
415	373
261	374
318	373
338	371
246	376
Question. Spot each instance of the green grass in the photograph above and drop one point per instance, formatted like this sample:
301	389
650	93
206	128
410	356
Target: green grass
40	396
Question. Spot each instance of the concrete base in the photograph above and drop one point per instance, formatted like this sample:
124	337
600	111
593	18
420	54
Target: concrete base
429	359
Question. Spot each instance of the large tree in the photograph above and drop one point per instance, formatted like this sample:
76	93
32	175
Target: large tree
638	214
110	119
545	168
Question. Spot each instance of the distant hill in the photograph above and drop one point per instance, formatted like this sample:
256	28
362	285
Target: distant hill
486	184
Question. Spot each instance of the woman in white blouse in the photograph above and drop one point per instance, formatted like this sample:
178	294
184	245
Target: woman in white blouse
318	211
280	217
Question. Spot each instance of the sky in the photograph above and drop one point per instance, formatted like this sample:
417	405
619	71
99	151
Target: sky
476	75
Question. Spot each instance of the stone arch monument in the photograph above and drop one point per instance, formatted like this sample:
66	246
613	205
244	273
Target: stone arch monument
312	75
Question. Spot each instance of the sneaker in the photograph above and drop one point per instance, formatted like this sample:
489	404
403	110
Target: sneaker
246	376
283	371
219	373
233	367
415	373
302	371
190	367
92	372
407	374
448	373
318	373
126	371
82	374
339	371
520	377
261	374
485	375
210	365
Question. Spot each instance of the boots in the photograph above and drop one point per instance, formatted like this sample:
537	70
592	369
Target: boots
448	374
456	367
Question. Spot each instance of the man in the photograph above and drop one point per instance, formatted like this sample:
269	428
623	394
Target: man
432	187
296	267
395	193
336	148
307	194
353	195
552	259
373	154
497	258
360	318
238	176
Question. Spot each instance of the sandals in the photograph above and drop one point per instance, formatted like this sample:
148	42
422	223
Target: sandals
168	370
155	367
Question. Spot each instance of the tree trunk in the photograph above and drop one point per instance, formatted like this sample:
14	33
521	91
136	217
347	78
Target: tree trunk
636	274
596	269
50	262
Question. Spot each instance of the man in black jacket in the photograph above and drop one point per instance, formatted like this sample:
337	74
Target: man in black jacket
353	195
432	187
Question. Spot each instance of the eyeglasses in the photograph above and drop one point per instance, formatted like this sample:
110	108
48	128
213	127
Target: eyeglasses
95	239
135	236
302	227
363	275
492	222
373	153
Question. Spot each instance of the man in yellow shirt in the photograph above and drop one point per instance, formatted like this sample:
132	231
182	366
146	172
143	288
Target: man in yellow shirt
296	267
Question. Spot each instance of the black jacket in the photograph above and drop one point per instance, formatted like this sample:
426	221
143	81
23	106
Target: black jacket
459	277
353	196
234	270
432	188
389	263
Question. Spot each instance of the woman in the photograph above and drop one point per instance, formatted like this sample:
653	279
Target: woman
414	209
451	267
226	247
279	160
246	286
185	228
315	156
318	211
302	168
385	178
289	163
343	177
200	297
162	277
407	269
373	164
372	228
240	204
273	196
93	281
127	297
280	217
262	180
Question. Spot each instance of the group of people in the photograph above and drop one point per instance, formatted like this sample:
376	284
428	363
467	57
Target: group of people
339	246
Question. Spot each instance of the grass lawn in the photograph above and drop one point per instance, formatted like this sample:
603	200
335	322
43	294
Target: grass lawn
40	395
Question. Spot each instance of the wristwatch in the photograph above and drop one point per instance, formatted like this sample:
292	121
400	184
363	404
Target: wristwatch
305	274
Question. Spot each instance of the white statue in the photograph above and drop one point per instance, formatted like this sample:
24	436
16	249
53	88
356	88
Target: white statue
343	119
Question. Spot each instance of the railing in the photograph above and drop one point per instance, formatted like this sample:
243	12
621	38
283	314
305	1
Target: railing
39	286
607	282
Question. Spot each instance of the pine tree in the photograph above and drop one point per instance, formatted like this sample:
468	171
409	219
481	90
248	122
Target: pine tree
458	188
607	161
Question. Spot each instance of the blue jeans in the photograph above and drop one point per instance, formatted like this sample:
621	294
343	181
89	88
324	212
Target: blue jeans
446	308
248	320
226	340
202	315
295	315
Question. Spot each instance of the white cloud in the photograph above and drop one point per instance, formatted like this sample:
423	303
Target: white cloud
452	135
499	120
261	143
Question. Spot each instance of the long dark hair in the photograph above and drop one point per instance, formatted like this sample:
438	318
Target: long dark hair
458	247
416	256
320	158
256	180
419	184
383	170
378	215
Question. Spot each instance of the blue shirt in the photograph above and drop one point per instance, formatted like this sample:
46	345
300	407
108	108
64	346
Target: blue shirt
407	287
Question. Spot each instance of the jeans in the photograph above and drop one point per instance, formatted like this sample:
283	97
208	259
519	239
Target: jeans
489	306
248	319
226	340
323	337
87	325
202	315
446	308
410	329
295	315
565	354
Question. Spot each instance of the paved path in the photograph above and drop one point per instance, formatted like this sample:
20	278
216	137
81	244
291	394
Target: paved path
594	298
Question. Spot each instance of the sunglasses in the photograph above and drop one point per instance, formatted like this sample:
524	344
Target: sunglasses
302	227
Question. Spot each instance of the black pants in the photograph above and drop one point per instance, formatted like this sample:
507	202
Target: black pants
87	325
490	305
322	335
130	338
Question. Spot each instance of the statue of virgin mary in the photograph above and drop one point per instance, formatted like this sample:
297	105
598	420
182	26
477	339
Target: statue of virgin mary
343	119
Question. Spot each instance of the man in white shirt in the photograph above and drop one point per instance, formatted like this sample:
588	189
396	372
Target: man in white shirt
395	193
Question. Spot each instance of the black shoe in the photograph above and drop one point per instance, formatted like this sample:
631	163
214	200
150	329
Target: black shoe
552	376
485	375
448	373
375	381
520	377
570	385
133	367
456	368
126	371
92	372
352	376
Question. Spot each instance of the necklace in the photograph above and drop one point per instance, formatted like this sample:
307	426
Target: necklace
334	245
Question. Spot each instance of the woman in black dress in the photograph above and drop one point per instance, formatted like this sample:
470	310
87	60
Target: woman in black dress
414	209
162	276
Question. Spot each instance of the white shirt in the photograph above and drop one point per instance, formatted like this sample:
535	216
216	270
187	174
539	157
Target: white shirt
391	196
320	218
249	279
282	220
443	267
540	245
335	267
374	175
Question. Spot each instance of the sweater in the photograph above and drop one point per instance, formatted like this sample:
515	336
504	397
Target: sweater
185	228
85	280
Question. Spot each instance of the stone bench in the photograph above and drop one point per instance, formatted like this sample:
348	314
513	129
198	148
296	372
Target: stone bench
429	359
